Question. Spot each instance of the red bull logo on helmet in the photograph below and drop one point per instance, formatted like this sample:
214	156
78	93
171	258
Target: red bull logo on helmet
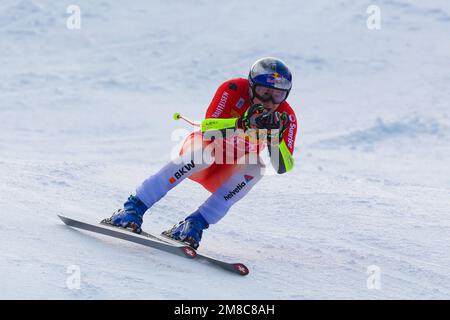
274	78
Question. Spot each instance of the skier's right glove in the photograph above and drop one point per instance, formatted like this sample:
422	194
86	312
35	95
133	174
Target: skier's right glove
249	120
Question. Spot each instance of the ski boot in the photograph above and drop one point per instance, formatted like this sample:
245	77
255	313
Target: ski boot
188	231
130	216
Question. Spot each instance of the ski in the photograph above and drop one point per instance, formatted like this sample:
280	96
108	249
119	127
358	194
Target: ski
123	234
155	242
238	268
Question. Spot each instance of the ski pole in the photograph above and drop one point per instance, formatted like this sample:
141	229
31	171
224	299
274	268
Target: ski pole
178	116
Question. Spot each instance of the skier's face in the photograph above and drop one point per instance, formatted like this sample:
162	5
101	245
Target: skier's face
268	105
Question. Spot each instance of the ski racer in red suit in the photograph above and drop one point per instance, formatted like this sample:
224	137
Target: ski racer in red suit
244	117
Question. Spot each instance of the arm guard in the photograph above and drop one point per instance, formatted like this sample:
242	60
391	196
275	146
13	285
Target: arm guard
218	124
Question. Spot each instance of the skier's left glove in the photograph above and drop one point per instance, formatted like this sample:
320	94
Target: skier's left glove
276	123
269	121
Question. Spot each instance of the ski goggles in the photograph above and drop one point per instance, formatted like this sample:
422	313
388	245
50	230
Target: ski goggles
266	94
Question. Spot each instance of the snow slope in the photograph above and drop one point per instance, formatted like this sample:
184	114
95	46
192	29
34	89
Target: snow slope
85	116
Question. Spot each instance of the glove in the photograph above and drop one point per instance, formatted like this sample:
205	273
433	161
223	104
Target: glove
256	118
285	121
276	121
249	119
269	121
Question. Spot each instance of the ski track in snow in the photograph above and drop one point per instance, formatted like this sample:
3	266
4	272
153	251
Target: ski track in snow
85	116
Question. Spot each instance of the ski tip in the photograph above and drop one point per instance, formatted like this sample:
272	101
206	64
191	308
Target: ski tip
64	219
241	269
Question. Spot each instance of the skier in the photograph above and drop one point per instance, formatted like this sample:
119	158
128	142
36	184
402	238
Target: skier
239	105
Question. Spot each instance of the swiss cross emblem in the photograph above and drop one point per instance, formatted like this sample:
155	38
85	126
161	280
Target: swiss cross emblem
190	252
242	269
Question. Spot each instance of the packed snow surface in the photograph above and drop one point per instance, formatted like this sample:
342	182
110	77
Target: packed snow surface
86	116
